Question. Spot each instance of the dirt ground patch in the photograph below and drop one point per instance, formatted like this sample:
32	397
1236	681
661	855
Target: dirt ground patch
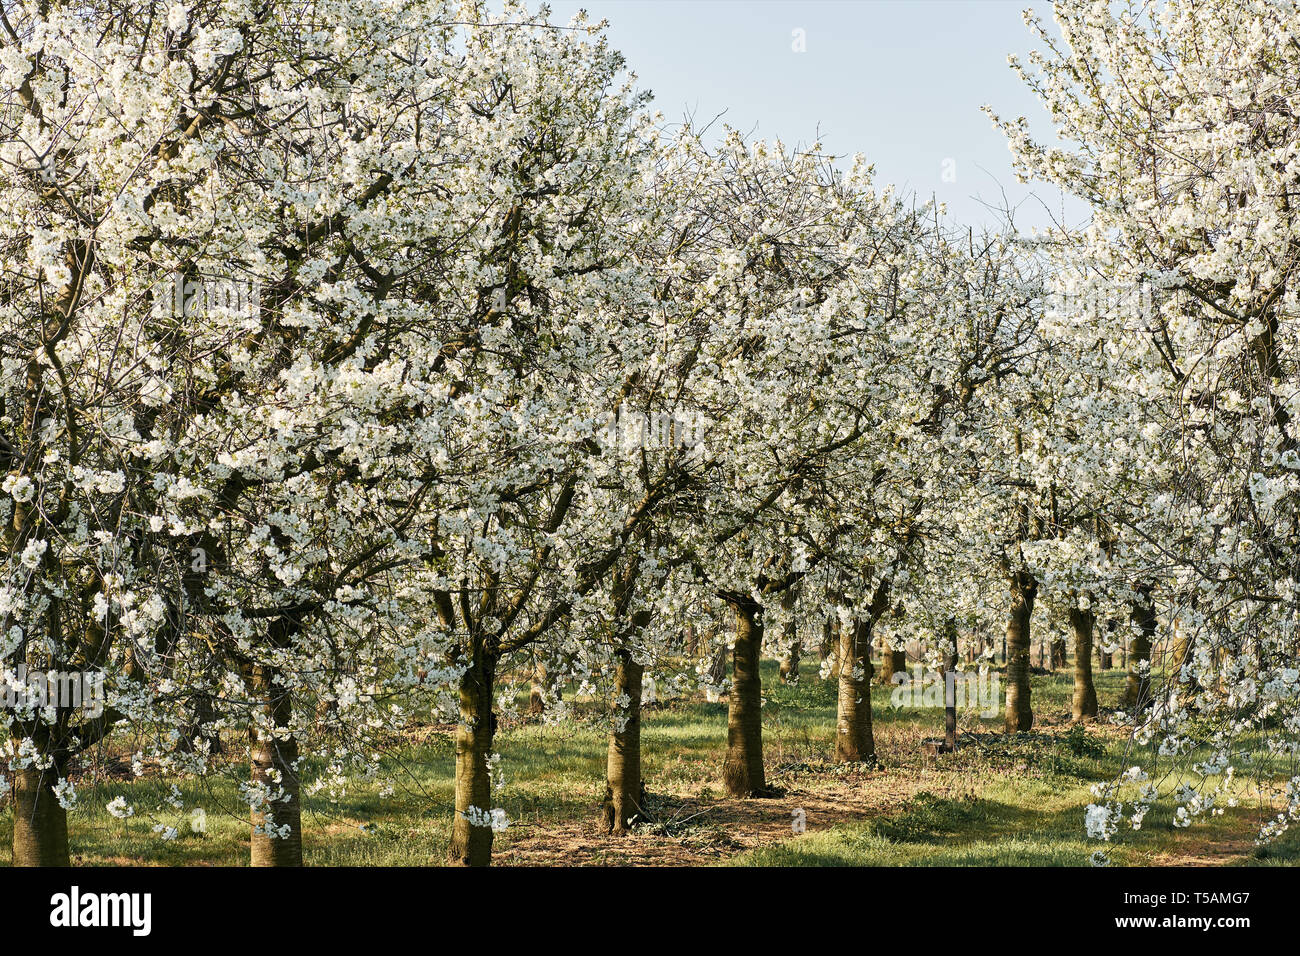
690	831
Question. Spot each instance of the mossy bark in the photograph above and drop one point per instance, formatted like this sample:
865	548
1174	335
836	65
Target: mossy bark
743	768
1137	688
40	835
789	669
1019	710
891	662
1181	656
1083	703
273	759
950	688
471	843
1058	654
537	693
854	741
623	784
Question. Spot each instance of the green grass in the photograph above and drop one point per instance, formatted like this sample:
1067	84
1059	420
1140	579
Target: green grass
1000	802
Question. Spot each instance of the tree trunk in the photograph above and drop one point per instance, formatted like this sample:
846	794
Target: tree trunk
1084	702
536	698
205	714
718	667
891	662
1106	659
1019	713
1058	653
827	646
273	754
1181	657
743	770
789	670
1137	689
854	742
623	789
950	689
40	835
471	842
691	640
831	642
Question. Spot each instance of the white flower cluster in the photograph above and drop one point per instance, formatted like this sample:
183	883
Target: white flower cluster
388	489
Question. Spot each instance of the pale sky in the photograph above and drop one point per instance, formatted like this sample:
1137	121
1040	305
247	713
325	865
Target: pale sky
901	81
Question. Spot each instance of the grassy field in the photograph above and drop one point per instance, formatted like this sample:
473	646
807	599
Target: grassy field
997	801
